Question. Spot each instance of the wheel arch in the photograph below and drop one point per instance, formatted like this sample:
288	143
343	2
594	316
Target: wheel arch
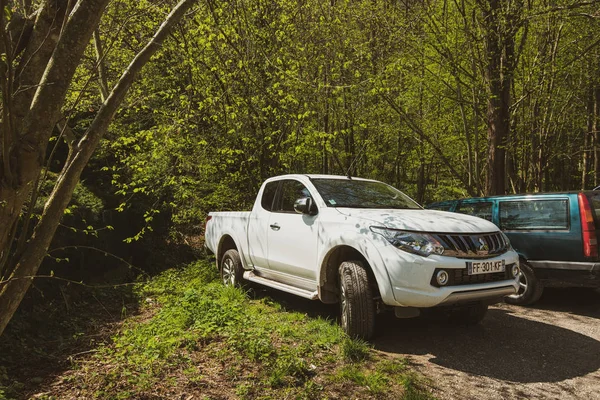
225	243
328	271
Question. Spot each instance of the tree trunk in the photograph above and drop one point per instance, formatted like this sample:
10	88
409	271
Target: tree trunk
476	140
13	291
585	157
584	160
421	180
501	27
27	140
596	135
100	65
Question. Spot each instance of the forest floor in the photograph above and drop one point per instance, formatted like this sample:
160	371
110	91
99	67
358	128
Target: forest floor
183	335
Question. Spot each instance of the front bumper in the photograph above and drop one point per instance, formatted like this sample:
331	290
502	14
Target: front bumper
411	280
489	296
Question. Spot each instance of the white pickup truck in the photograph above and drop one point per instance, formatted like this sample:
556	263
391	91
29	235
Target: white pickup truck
366	245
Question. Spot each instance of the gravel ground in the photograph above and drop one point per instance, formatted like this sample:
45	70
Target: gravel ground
548	351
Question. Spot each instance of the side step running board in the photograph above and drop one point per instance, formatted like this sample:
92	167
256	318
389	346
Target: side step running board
307	294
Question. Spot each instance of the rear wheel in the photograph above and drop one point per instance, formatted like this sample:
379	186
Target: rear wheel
469	315
231	268
530	288
357	305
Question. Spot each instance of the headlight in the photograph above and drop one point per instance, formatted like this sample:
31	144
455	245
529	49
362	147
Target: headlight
422	244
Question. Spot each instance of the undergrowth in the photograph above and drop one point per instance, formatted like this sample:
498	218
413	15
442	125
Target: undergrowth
195	335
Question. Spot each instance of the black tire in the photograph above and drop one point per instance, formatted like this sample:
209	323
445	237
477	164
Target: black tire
530	288
232	271
357	305
469	315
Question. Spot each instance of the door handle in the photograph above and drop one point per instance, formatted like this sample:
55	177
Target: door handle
275	227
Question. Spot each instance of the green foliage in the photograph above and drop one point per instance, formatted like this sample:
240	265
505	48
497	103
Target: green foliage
376	382
197	311
380	380
355	350
204	314
392	91
4	382
262	349
85	204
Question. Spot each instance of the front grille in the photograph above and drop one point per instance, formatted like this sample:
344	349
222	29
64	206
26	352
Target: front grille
479	245
457	277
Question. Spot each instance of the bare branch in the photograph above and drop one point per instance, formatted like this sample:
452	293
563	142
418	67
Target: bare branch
102	79
32	277
564	8
416	129
106	254
67	132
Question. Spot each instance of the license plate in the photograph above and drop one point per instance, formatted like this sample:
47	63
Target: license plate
485	267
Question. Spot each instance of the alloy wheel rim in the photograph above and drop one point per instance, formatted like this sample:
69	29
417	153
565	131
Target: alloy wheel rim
228	272
522	286
344	307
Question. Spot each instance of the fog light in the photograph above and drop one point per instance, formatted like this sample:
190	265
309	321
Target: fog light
442	278
515	271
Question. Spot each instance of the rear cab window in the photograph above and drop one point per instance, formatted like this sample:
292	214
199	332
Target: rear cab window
535	214
269	195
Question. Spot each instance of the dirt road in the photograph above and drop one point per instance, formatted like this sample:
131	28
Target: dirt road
548	351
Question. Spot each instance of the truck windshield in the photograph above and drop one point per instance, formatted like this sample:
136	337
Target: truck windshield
362	194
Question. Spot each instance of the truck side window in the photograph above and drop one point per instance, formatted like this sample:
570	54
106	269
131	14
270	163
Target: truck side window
290	192
534	215
268	195
479	209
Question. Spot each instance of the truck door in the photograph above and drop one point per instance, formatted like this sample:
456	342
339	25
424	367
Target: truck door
292	237
258	226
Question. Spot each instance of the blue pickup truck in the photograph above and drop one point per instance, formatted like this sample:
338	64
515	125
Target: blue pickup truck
555	235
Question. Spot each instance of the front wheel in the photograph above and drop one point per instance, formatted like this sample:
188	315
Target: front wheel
357	305
530	288
231	268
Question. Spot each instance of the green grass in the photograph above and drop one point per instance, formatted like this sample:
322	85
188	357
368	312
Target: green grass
355	350
196	334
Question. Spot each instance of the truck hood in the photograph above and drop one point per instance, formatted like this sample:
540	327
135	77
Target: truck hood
422	220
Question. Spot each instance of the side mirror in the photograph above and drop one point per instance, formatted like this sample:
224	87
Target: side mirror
305	205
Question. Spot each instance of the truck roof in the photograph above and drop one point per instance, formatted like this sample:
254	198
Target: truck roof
318	176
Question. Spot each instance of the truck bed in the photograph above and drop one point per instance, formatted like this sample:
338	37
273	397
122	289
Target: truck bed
232	223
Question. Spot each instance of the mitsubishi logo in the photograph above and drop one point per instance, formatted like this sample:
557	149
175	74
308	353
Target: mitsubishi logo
483	247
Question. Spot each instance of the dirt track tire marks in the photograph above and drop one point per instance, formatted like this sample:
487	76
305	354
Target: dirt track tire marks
548	351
